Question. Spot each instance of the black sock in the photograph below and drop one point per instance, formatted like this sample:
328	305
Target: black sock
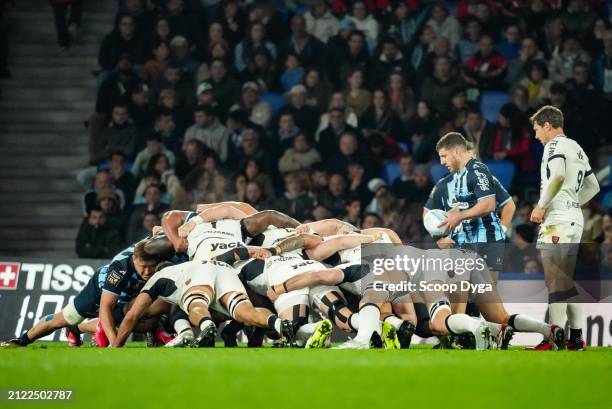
75	329
575	334
24	339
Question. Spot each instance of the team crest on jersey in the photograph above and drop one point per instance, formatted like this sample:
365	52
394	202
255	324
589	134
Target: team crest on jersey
188	281
483	181
555	239
113	278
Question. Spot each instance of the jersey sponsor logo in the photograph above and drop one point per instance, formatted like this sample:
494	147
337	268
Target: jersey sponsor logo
9	275
305	263
225	246
551	147
483	180
114	277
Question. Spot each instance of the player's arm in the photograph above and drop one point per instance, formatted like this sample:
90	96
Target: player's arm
342	242
258	222
171	221
108	301
506	213
210	215
325	227
296	242
589	189
550	188
245	207
483	207
391	233
330	276
140	305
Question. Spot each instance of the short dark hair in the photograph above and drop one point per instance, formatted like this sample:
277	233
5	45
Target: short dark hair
550	114
206	109
95	208
452	140
154	136
142	254
472	108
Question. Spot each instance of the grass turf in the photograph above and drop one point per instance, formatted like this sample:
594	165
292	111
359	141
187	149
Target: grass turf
294	378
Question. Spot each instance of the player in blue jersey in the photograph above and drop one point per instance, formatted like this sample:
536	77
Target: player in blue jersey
106	295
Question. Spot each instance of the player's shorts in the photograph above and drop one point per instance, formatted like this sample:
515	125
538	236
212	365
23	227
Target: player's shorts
86	305
317	293
567	235
492	253
291	299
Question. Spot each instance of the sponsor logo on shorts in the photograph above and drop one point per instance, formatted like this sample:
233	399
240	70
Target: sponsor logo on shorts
9	275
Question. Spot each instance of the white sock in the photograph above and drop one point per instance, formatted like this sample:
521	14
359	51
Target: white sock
574	315
205	324
369	320
394	321
462	323
305	332
557	313
494	328
354	321
277	325
524	323
181	325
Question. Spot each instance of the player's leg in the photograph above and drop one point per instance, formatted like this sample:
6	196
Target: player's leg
179	320
195	303
403	320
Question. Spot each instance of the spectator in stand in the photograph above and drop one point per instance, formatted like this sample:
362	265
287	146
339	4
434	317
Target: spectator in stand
140	110
441	48
123	40
330	136
520	99
144	18
480	132
353	211
419	52
123	181
225	89
406	21
404	186
381	149
513	139
240	183
249	148
206	183
259	111
364	22
511	45
602	77
154	146
306	116
192	154
320	22
358	183
184	21
253	195
422	188
358	98
209	131
294	201
252	171
578	17
318	91
437	89
335	199
171	132
371	220
487	68
401	96
537	84
150	220
161	32
318	183
468	45
519	67
594	42
152	203
119	135
522	249
381	118
355	55
522	215
181	55
309	49
233	19
256	38
110	203
390	61
554	32
181	82
205	96
337	100
459	108
96	239
401	219
422	133
562	64
102	180
444	24
116	86
158	164
294	72
261	70
287	130
65	29
301	156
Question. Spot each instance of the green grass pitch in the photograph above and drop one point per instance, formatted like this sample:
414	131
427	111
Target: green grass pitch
137	377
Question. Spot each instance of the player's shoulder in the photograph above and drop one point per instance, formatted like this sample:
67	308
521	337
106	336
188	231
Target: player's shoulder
476	165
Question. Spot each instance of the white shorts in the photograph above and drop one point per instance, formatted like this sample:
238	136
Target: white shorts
71	315
290	299
566	234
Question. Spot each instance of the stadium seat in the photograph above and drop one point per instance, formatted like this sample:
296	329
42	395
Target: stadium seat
276	101
491	102
503	170
391	171
438	172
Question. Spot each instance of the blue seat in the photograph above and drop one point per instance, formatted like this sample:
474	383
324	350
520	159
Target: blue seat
276	101
503	170
491	102
438	171
391	171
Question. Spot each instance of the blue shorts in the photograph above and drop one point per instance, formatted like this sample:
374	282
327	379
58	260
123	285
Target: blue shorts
492	253
87	303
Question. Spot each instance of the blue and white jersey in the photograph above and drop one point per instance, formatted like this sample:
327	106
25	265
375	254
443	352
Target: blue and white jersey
119	277
463	190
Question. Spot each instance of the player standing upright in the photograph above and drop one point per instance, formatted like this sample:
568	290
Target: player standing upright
567	183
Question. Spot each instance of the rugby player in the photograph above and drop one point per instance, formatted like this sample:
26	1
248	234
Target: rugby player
567	182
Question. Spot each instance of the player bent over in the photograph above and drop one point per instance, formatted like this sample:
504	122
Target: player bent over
106	295
195	287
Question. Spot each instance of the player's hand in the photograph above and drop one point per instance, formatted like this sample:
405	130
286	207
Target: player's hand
537	215
185	229
157	229
344	229
271	294
452	221
376	235
445	243
302	228
259	252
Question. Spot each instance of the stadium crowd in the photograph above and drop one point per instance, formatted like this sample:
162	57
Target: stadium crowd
333	108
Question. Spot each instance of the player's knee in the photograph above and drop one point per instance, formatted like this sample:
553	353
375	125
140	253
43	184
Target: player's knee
438	312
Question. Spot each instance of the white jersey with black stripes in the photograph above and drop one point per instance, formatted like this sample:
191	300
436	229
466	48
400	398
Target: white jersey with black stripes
353	255
208	240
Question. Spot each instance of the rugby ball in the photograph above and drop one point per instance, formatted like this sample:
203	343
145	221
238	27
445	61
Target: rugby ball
432	220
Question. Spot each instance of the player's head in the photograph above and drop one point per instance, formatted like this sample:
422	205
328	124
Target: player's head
547	123
145	261
453	151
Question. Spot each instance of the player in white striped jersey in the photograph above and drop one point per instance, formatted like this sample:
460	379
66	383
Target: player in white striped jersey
567	183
